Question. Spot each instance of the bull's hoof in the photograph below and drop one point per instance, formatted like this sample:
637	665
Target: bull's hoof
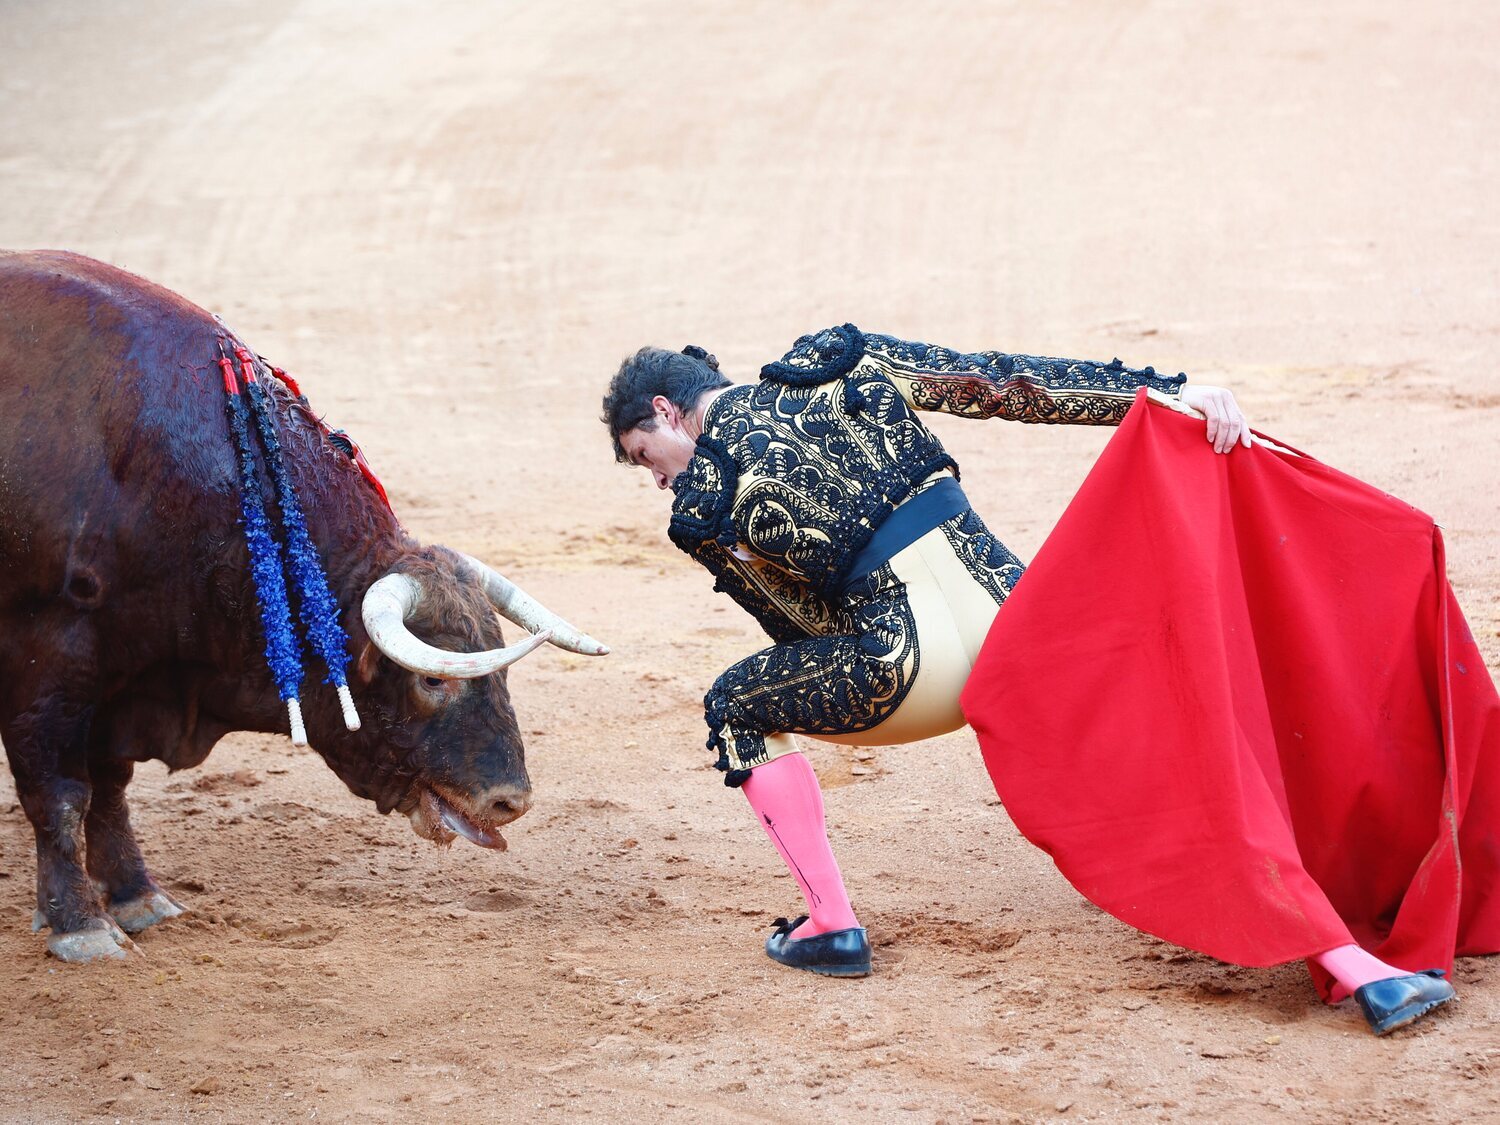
141	913
100	940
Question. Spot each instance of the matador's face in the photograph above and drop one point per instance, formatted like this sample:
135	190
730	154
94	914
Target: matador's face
665	449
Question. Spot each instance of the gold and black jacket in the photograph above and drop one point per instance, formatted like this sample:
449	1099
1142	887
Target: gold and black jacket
792	475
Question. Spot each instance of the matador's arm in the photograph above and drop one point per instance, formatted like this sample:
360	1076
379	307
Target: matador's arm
1022	388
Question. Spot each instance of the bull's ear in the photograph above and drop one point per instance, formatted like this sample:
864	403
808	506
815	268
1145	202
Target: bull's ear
369	657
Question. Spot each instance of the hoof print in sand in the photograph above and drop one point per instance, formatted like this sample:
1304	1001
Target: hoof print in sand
292	934
495	901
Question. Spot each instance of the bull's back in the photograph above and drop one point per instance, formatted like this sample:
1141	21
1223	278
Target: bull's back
114	450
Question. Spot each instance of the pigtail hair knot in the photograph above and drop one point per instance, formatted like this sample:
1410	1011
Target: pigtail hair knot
693	351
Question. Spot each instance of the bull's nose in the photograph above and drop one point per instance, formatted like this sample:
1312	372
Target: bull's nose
506	803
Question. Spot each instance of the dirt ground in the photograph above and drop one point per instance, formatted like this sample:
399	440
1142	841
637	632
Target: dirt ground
451	220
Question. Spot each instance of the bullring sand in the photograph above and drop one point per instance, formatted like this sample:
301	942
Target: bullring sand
450	221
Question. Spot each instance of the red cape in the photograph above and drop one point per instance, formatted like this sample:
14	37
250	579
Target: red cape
1235	700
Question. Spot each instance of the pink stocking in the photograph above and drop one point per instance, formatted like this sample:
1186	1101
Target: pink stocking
1353	968
789	805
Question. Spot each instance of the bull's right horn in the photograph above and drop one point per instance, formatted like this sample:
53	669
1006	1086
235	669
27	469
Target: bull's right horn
387	605
517	605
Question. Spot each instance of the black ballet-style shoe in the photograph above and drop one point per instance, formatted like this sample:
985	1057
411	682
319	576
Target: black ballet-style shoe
1397	1001
838	953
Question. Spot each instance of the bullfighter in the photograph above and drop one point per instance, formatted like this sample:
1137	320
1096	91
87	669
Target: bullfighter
822	505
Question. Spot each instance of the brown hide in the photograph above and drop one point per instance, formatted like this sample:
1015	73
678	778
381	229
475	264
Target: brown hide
129	627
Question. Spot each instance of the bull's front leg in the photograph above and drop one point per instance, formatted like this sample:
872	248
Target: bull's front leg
47	748
115	862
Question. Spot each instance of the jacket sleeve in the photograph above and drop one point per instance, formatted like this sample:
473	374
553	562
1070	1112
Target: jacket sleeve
1022	388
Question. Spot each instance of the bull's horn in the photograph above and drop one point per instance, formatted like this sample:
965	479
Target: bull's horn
387	605
517	605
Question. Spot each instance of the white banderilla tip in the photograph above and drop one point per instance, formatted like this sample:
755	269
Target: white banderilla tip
346	701
294	712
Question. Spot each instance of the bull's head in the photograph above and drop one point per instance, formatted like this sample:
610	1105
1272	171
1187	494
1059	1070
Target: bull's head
440	742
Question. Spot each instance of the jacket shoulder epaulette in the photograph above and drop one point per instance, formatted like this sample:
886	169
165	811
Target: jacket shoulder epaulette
819	357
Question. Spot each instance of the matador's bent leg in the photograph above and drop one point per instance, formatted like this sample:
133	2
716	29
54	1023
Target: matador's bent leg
861	686
827	686
824	685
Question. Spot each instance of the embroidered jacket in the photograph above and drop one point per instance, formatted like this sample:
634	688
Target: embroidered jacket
793	475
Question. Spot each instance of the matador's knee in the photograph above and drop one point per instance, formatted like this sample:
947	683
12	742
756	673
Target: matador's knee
732	735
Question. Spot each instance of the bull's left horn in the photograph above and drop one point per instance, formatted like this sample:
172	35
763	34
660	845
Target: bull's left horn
387	605
517	605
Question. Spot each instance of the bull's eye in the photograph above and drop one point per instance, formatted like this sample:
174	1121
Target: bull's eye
432	693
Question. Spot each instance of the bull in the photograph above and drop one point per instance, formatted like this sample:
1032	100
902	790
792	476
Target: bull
128	617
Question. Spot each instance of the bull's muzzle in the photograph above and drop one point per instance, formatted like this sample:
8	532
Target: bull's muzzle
442	814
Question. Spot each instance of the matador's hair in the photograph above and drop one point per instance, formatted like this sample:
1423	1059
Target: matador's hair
680	377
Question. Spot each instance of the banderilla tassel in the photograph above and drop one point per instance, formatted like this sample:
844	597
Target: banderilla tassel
265	562
318	609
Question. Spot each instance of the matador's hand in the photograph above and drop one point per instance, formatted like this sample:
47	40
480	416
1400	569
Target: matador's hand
1226	421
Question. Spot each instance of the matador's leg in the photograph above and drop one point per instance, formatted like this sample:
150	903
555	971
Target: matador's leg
823	685
788	803
861	686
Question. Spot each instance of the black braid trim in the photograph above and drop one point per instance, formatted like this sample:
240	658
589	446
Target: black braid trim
706	513
818	358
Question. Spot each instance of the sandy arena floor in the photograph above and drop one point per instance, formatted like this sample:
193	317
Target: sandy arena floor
451	220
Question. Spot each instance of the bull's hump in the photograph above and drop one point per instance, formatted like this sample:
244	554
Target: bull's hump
106	377
60	273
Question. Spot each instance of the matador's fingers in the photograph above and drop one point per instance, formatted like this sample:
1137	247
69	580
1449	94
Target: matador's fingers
1217	423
